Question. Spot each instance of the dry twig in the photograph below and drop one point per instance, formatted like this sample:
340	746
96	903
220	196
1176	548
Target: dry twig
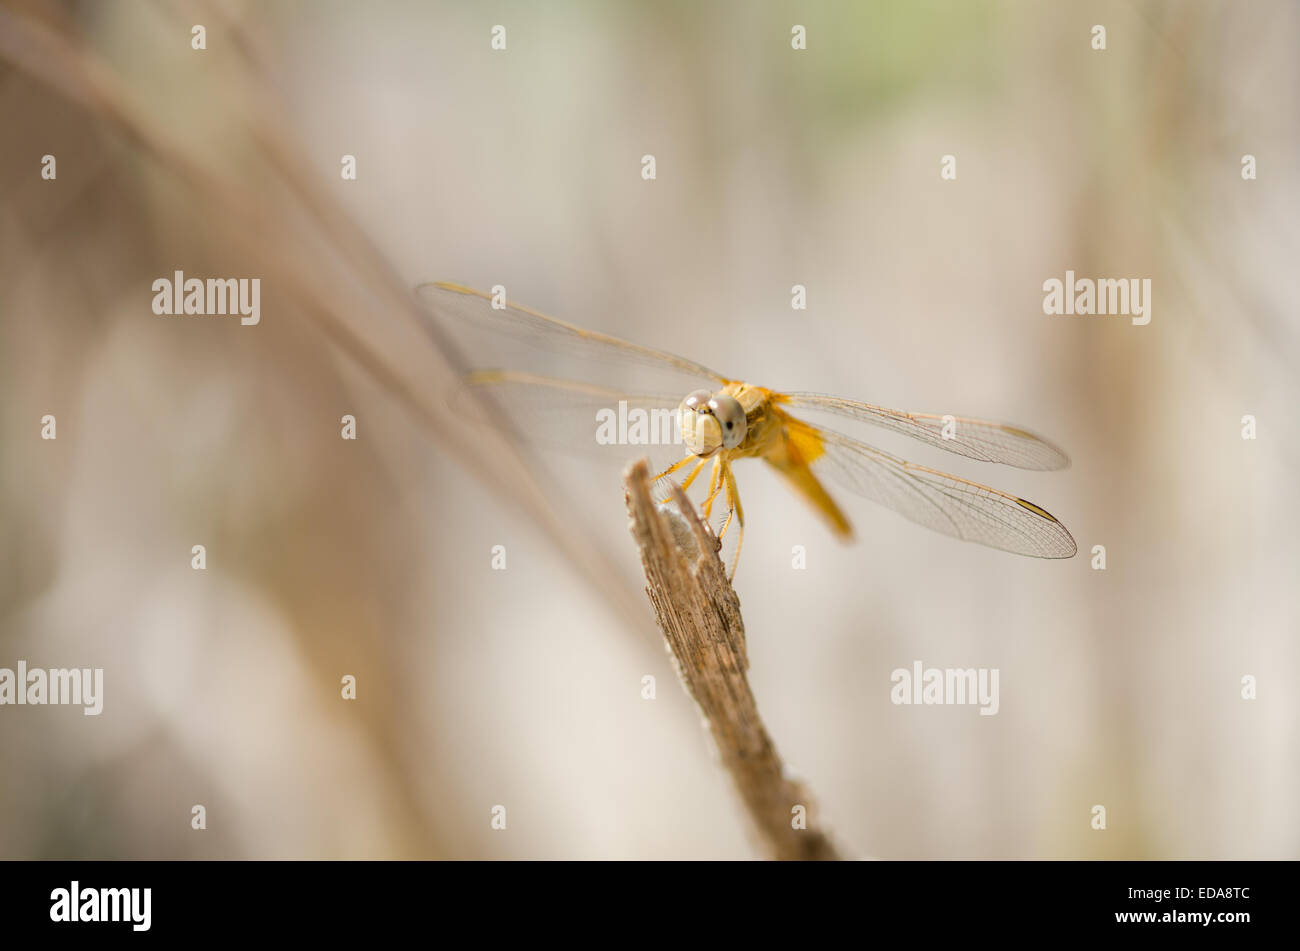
700	616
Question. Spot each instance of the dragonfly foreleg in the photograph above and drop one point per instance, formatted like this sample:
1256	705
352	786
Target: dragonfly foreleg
694	472
673	468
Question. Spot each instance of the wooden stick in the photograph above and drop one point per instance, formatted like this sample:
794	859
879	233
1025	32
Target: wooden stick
699	614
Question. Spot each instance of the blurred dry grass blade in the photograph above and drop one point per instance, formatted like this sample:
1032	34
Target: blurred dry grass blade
700	616
254	205
331	270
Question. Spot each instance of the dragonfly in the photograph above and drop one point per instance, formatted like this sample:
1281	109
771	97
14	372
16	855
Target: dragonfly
723	420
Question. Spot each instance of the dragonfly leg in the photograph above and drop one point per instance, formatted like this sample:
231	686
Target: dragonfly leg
715	486
727	486
685	485
733	500
691	478
671	469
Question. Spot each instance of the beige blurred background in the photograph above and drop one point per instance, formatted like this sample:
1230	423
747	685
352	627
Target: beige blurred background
522	687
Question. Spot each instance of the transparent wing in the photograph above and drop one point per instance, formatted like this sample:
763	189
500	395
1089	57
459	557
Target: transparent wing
586	418
937	500
473	308
974	438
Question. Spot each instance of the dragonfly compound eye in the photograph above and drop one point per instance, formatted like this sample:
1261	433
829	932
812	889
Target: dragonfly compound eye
731	418
697	401
701	431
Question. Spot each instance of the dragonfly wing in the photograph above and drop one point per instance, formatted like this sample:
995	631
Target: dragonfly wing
566	414
468	307
974	438
937	500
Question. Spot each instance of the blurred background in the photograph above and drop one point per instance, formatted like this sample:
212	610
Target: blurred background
373	558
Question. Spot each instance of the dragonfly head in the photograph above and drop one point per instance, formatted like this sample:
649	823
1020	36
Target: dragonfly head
711	421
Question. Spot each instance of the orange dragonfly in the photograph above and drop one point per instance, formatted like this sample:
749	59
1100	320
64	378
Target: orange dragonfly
722	420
